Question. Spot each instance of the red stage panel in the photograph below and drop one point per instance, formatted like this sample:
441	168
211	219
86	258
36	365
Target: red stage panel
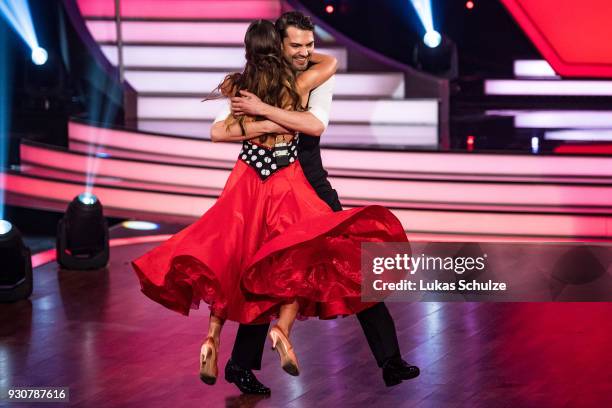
587	148
574	37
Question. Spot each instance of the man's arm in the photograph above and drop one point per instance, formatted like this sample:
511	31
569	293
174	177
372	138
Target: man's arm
220	133
312	123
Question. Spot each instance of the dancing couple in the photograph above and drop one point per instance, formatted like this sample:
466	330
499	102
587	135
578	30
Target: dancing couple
276	246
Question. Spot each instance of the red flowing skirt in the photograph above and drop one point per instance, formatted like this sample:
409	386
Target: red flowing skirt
263	244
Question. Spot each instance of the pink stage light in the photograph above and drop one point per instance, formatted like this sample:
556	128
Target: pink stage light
402	163
184	9
132	170
397	192
49	255
329	9
160	32
415	220
469	5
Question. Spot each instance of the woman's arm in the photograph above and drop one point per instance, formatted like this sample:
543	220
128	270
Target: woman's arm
322	68
304	122
220	133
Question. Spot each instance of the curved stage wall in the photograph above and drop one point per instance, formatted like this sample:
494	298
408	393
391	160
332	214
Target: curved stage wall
436	195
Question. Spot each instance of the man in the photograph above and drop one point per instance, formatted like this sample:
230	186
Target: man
297	33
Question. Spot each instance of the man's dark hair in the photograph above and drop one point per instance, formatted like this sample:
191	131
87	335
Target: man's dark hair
293	19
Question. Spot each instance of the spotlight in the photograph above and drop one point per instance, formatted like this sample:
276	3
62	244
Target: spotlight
5	227
39	56
329	9
440	60
469	5
432	39
15	258
82	234
87	198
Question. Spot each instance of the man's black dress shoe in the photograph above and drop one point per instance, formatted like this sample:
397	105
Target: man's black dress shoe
396	370
244	379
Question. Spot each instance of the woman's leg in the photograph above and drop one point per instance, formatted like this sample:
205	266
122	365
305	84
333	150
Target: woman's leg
210	350
215	324
279	334
288	313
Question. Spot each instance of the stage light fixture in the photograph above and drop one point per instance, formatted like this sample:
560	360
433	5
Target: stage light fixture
15	265
436	54
82	234
432	39
5	227
440	60
329	9
87	198
469	5
18	15
39	56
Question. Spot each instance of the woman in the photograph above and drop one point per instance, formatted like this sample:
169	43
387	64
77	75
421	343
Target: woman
269	247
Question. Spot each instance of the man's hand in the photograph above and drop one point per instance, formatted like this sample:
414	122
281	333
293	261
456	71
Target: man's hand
248	104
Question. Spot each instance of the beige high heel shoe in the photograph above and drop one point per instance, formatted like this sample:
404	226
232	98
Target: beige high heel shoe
208	362
283	346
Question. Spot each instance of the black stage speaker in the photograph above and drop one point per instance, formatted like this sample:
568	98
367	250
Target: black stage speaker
15	267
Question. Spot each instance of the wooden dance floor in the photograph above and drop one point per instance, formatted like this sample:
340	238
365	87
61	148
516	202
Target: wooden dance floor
95	333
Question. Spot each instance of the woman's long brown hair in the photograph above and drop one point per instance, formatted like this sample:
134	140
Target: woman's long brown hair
266	73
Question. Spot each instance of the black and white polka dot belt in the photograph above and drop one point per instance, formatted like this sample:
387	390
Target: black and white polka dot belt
261	158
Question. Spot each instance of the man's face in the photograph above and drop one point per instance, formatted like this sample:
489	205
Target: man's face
298	47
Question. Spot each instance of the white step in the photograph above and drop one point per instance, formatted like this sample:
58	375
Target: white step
159	32
337	134
185	32
580	135
385	111
558	119
385	84
184	9
192	56
533	69
548	87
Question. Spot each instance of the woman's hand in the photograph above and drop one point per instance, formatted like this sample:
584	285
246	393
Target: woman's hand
248	104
